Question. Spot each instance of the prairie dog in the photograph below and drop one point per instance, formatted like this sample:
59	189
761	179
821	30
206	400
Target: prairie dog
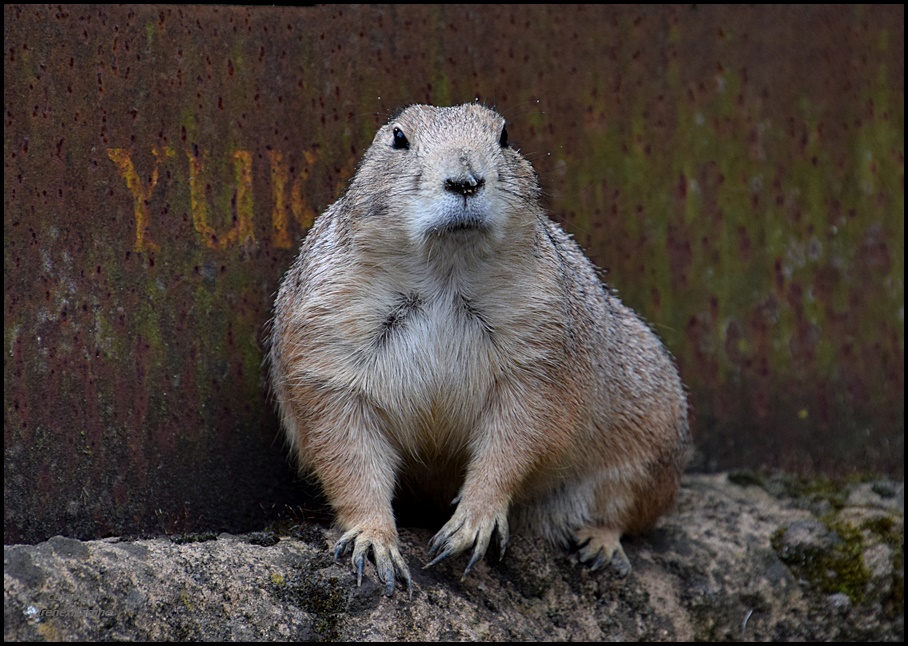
438	329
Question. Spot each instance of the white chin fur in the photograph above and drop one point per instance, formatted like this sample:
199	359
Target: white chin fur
454	216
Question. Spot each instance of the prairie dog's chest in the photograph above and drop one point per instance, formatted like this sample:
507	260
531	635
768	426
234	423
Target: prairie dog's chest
429	352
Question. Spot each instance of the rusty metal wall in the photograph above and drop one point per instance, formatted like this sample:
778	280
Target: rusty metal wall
738	171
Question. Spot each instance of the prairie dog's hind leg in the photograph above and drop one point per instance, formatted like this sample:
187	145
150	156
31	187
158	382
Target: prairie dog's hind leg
625	507
571	514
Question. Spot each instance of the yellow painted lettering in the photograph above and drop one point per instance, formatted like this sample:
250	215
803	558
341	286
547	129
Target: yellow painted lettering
141	193
241	231
198	198
280	176
302	212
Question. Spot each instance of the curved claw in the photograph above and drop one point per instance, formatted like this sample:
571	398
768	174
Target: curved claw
442	540
477	554
438	558
482	544
358	564
345	544
391	566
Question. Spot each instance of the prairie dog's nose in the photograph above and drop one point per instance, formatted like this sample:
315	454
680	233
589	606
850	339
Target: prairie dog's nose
465	185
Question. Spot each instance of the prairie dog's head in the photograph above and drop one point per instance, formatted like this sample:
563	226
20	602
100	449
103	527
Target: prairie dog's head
447	173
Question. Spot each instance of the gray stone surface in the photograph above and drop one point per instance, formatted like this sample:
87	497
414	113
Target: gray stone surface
742	557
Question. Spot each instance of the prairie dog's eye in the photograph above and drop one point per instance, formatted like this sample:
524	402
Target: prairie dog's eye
400	140
503	142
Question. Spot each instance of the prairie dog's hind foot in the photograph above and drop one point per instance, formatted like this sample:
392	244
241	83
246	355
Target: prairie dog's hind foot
601	546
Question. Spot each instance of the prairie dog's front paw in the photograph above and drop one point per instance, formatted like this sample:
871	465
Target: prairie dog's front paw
466	529
388	561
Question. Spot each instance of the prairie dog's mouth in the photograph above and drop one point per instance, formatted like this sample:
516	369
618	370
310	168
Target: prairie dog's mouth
459	214
453	227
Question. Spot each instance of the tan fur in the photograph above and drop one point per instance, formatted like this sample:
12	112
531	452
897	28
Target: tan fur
438	329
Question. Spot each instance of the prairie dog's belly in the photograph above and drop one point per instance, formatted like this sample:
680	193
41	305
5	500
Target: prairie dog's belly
429	366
